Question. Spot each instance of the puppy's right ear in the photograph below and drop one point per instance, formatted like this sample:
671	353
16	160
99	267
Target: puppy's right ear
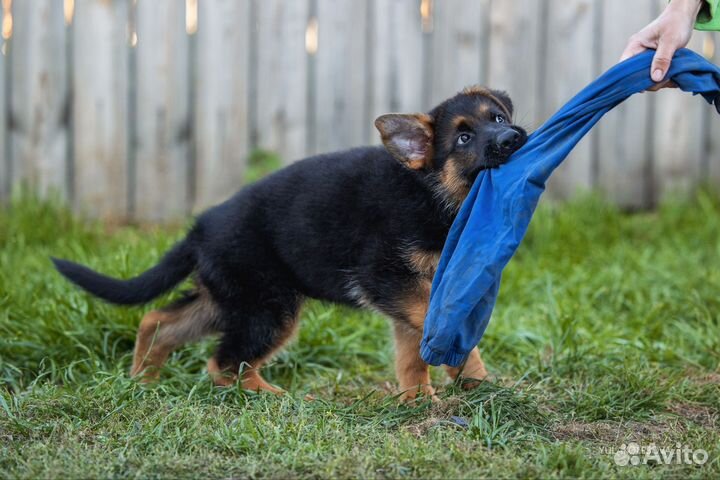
409	138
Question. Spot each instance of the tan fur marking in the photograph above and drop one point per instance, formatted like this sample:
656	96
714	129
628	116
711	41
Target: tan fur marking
483	109
427	122
220	377
474	90
416	164
474	369
251	378
479	90
424	262
162	331
413	374
456	187
415	305
149	354
457	121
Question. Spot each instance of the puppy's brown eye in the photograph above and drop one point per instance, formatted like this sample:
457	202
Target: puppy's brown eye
499	119
464	138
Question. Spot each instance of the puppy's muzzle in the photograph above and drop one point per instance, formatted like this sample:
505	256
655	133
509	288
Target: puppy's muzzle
508	141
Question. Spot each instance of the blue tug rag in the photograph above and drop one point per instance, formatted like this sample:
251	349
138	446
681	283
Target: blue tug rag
496	213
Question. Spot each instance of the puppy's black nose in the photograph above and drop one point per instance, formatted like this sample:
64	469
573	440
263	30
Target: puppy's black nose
508	139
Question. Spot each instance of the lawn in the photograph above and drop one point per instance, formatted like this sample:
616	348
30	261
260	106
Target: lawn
607	331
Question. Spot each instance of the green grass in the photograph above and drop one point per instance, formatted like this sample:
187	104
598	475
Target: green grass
607	330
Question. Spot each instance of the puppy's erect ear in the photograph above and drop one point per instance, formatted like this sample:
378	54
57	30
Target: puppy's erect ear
408	137
504	98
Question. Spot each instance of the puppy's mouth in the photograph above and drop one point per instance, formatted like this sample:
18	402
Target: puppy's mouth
496	155
493	158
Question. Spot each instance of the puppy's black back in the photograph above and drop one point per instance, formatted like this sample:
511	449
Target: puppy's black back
323	221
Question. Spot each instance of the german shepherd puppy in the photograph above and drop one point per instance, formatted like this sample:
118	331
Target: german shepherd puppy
363	227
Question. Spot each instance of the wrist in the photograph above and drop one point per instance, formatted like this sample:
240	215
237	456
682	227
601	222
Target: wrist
690	8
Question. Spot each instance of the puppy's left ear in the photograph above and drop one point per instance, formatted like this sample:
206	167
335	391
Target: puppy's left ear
408	137
504	98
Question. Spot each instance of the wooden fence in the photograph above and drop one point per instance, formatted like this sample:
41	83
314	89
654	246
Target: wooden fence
148	109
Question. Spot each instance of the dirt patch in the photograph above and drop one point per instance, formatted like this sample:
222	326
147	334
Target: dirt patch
701	377
701	415
710	379
595	431
441	414
421	429
615	432
446	407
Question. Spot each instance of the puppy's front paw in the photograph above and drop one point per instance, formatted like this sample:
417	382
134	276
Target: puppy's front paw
469	383
419	392
470	375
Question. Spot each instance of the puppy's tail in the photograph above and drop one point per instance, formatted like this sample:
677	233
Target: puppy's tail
177	264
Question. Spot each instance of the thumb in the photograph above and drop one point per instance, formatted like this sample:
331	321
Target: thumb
661	60
633	48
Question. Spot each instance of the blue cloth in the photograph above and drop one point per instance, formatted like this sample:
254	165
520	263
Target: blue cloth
494	217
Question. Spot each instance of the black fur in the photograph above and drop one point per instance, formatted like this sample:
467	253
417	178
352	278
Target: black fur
336	227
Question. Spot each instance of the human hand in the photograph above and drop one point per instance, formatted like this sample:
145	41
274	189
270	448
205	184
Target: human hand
666	34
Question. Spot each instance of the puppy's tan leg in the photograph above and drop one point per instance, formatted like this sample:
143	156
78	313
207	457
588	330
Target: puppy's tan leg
221	377
163	331
251	378
151	350
473	370
412	372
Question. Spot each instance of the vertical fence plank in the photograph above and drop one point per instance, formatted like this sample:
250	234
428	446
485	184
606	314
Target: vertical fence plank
570	67
397	59
458	48
383	73
625	146
678	136
162	142
407	57
4	159
516	55
282	77
100	105
711	164
341	67
39	103
221	108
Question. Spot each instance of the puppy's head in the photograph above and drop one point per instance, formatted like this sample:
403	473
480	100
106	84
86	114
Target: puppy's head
462	136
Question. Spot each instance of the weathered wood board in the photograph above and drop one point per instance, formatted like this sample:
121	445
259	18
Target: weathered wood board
162	124
100	75
221	122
